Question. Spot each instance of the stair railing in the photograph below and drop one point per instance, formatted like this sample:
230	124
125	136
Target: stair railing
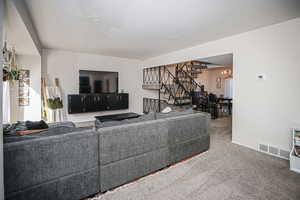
171	85
193	84
176	88
190	86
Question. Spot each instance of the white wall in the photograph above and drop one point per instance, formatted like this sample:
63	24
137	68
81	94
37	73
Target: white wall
1	94
66	65
264	111
33	111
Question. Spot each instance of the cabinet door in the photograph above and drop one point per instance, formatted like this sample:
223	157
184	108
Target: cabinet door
75	104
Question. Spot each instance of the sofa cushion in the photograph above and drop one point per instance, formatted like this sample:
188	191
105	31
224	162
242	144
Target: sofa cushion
117	143
34	162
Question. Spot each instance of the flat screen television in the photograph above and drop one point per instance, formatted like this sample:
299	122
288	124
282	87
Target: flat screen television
97	82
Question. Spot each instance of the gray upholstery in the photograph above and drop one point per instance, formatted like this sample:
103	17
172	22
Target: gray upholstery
175	113
129	169
75	186
130	151
43	160
79	185
99	124
73	163
121	142
46	191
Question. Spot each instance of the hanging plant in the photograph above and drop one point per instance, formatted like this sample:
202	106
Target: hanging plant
10	69
10	74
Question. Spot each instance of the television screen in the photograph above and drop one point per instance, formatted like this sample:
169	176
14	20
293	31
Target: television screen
98	82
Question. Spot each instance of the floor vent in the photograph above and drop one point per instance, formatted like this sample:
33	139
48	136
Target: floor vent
274	151
263	147
284	154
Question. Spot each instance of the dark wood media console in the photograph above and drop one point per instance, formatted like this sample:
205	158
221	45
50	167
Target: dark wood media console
82	103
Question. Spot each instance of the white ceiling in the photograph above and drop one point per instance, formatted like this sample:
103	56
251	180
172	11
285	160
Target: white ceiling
17	34
146	28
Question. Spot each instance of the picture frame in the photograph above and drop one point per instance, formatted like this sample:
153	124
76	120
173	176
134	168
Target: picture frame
24	88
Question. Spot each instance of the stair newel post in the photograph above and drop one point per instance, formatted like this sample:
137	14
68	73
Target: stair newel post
144	75
159	83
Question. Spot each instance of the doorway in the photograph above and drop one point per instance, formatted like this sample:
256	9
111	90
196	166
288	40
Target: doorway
218	82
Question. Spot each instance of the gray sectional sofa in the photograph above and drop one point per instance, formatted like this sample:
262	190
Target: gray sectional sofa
81	162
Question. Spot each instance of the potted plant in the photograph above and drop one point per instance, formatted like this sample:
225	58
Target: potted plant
55	103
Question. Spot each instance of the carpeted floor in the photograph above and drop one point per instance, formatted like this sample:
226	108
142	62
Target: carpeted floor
226	172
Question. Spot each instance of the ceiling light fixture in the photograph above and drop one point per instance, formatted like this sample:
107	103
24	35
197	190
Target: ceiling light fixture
227	71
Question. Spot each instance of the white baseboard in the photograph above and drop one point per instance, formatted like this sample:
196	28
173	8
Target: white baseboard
249	147
295	170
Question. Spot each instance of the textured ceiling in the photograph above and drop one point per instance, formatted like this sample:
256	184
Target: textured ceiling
146	28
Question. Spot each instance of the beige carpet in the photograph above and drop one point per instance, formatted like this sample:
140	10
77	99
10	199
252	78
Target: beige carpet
226	172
